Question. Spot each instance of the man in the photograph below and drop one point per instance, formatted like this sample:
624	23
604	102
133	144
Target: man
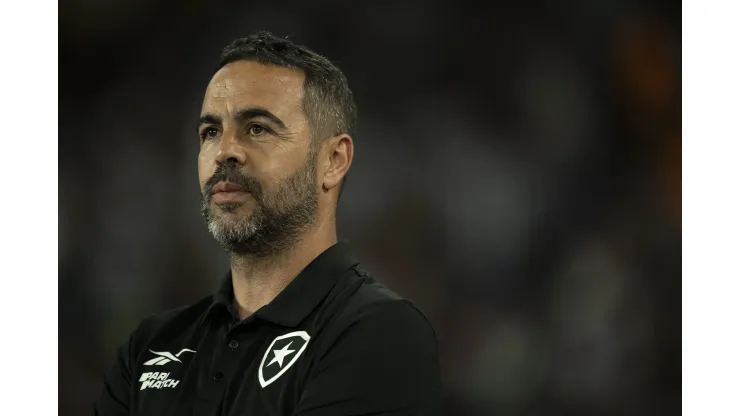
297	328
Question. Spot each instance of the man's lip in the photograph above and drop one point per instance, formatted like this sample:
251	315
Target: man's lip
228	187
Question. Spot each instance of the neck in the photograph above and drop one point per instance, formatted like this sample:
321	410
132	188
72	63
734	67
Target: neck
257	282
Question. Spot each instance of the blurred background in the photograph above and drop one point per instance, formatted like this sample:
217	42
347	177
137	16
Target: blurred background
517	175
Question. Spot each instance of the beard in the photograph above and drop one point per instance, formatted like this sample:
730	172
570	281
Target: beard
281	213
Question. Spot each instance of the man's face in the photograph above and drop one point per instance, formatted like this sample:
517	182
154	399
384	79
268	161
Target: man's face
257	167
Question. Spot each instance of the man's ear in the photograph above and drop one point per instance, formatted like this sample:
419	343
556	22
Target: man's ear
339	153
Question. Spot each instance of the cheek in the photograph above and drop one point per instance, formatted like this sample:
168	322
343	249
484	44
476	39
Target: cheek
280	167
206	167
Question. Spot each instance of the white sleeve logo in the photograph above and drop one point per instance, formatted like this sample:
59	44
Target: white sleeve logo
165	357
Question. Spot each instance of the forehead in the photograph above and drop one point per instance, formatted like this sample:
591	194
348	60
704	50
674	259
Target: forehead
251	84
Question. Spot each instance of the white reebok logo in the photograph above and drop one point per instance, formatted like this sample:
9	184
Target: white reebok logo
284	348
165	357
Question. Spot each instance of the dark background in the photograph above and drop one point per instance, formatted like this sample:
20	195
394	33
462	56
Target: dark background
517	175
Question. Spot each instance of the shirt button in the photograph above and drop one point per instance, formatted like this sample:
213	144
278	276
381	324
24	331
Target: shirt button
218	376
233	344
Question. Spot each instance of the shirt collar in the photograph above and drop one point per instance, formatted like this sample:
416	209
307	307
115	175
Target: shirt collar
302	295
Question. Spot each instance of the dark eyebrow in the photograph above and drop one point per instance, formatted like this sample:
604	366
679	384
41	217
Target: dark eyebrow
255	112
208	119
242	115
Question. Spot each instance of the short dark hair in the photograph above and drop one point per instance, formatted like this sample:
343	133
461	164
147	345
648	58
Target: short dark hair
327	100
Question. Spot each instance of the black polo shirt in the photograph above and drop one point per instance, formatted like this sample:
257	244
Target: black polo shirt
334	342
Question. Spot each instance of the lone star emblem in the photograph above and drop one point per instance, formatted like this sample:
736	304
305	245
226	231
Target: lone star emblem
283	350
281	354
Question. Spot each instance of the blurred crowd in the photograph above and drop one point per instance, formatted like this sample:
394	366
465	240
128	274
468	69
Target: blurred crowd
517	175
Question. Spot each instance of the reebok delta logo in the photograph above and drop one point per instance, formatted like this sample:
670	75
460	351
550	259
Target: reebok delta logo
165	357
157	381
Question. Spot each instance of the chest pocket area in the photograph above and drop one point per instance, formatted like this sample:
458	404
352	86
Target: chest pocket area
280	368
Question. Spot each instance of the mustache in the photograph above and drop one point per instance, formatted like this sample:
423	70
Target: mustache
231	173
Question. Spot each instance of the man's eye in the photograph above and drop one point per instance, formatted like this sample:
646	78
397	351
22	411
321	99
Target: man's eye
209	133
256	130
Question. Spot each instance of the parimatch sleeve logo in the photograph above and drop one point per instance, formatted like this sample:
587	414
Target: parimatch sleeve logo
157	380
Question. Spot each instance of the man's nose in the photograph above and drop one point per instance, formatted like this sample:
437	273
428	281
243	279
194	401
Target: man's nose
231	150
